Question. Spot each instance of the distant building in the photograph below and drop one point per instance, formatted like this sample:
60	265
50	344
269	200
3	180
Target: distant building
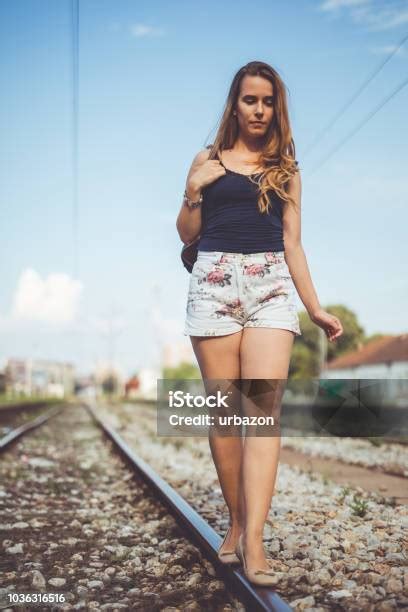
384	358
18	379
39	377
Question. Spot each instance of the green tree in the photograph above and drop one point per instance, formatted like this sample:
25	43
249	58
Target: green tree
353	332
183	371
306	357
302	362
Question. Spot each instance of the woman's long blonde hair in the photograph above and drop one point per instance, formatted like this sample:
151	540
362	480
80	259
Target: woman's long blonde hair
278	156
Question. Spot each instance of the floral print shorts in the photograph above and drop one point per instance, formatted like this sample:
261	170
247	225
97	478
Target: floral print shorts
230	291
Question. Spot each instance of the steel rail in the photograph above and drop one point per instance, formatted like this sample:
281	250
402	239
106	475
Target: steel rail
18	432
256	598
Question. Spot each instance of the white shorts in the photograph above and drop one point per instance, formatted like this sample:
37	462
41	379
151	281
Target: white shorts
230	291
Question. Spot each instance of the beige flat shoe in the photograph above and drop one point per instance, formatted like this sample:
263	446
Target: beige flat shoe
228	557
258	577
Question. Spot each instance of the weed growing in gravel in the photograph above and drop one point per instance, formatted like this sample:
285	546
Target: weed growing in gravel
359	506
343	494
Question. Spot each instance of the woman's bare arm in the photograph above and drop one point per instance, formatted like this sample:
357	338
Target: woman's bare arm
294	254
203	172
296	259
189	221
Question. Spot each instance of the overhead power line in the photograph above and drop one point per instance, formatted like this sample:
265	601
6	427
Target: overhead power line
343	109
359	126
74	143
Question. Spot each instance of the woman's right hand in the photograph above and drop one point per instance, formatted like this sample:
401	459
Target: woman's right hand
208	172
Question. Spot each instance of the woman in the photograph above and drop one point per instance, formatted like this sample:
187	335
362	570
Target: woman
243	198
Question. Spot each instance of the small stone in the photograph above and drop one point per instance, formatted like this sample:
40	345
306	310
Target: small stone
17	549
95	584
20	525
303	603
88	533
82	591
193	580
175	570
393	586
123	579
323	577
38	580
373	578
57	582
339	594
193	606
135	592
215	585
386	606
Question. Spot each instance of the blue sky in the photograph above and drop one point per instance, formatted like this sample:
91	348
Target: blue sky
153	78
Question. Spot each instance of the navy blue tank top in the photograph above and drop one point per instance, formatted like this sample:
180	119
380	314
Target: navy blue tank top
231	220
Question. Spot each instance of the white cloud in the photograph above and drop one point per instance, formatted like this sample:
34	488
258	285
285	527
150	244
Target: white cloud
335	5
141	29
53	299
382	19
388	49
376	15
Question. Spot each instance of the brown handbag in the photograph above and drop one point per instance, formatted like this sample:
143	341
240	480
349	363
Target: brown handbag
190	250
189	254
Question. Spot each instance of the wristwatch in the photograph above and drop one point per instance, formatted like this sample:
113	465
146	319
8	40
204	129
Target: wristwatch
189	202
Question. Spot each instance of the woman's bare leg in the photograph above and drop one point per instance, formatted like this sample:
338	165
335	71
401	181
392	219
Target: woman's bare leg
264	354
218	358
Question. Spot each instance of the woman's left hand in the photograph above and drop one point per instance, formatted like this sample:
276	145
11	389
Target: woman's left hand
329	323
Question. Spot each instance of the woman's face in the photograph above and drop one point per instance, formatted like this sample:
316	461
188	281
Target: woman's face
254	106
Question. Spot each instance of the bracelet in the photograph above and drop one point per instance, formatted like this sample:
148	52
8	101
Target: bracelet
189	202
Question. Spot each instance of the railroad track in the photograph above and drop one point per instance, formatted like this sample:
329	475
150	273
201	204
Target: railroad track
192	524
197	528
17	432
